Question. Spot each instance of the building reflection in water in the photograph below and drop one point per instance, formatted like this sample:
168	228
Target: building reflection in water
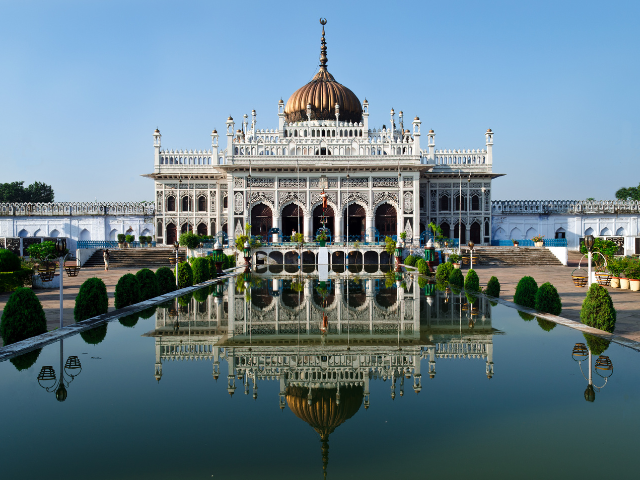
376	330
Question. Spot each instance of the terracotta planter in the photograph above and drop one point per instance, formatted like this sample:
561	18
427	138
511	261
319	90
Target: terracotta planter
624	283
615	282
121	245
539	244
634	285
515	244
456	265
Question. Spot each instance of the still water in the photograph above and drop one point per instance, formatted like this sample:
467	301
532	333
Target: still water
365	378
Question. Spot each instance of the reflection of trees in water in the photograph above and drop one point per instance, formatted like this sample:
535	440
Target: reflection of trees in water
26	360
95	335
326	293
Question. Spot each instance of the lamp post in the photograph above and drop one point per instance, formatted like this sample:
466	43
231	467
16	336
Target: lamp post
61	250
603	367
176	246
471	245
72	368
246	251
217	256
588	243
398	254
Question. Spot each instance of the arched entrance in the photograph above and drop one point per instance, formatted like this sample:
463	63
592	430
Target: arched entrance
456	233
186	228
202	229
317	219
355	222
474	234
387	220
261	220
172	236
292	219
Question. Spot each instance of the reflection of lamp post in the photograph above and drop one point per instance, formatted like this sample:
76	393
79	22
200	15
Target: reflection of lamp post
603	367
72	368
61	247
217	256
398	254
471	245
176	246
588	243
246	251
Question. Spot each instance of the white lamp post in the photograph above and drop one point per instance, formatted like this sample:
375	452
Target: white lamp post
61	247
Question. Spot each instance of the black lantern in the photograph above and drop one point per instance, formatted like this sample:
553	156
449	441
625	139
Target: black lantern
471	245
588	242
61	246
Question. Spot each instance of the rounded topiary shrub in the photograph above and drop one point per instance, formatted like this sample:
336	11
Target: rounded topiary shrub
166	280
410	260
185	275
597	309
129	321
23	317
185	300
526	292
9	261
26	360
201	295
456	278
547	299
95	335
127	291
422	267
527	317
148	282
472	282
493	287
200	268
443	272
546	325
596	345
212	268
92	300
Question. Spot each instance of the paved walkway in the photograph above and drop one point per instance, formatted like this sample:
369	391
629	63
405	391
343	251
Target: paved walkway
626	302
50	299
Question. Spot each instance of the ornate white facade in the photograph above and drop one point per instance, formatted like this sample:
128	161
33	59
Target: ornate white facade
379	181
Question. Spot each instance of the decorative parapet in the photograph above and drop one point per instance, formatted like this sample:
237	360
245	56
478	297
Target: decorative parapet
580	207
77	208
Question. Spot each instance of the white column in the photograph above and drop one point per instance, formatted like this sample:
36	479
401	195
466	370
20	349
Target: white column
230	208
308	226
369	226
338	228
277	223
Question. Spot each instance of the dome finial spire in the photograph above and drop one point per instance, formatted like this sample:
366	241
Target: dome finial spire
323	48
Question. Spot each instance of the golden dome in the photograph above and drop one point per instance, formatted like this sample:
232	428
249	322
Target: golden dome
323	93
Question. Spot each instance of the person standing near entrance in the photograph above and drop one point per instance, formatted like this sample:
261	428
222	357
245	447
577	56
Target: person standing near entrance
105	256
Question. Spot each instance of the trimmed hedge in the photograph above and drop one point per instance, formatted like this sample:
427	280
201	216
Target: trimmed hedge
26	360
23	317
443	272
422	282
228	262
9	281
597	309
410	260
493	287
456	278
92	300
149	287
9	261
526	292
422	267
472	282
166	280
212	268
200	268
546	325
547	300
596	344
185	275
127	291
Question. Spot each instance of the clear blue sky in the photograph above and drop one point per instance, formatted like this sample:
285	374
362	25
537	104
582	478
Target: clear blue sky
85	83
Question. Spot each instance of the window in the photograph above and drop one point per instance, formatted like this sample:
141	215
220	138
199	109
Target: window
224	202
475	202
171	204
202	204
444	203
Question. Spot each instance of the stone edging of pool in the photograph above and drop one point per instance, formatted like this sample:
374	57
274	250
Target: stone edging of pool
53	336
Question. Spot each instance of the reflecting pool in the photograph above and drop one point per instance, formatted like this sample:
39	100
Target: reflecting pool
366	377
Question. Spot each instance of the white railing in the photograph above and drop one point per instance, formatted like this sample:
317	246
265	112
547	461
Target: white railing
77	208
564	206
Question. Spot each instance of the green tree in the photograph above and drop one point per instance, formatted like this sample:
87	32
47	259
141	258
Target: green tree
127	291
185	275
493	287
37	192
631	193
23	317
472	282
166	280
92	300
200	268
547	299
597	309
526	292
149	287
456	278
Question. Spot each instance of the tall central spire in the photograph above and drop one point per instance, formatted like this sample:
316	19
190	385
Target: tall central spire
323	48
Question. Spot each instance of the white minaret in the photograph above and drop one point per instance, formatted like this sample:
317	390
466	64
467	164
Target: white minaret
432	145
489	136
214	147
230	125
156	145
416	135
365	115
281	117
254	121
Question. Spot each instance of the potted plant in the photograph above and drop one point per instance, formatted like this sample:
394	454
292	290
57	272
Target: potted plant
455	259
624	280
128	239
615	267
403	236
633	274
538	240
322	238
515	242
121	239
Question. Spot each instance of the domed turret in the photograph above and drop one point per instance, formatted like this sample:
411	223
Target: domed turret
322	94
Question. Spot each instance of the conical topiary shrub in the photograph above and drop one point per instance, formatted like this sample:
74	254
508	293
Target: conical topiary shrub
185	275
200	268
443	272
472	282
127	291
148	282
166	280
92	300
526	292
23	317
456	278
547	299
493	287
26	360
597	309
